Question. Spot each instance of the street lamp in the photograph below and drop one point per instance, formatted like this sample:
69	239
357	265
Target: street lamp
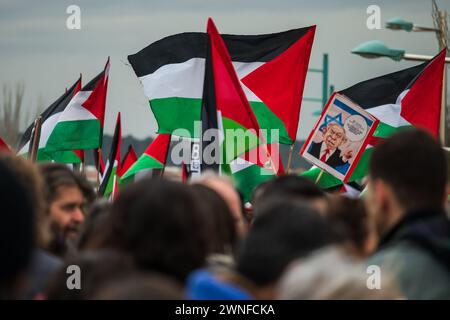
401	24
377	49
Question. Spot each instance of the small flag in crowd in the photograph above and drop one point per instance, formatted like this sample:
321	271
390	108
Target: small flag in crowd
80	126
154	157
50	117
109	186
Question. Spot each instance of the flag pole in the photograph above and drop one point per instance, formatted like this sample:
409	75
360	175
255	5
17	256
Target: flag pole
99	154
319	176
291	149
34	143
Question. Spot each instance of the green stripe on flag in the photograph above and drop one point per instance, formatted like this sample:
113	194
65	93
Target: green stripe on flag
75	135
180	113
233	145
268	120
246	180
328	181
177	113
65	157
384	130
144	162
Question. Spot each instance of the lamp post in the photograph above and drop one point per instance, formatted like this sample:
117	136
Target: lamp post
377	49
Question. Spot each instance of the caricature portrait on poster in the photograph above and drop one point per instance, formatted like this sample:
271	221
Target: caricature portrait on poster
339	137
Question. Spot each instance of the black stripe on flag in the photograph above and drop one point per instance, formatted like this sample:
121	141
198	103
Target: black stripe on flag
209	111
383	90
93	83
185	46
110	164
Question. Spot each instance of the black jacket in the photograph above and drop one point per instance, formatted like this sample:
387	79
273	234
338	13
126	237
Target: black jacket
335	160
416	252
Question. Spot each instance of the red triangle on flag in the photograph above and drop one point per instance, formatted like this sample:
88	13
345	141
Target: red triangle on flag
231	100
421	106
4	146
96	101
158	148
129	159
279	83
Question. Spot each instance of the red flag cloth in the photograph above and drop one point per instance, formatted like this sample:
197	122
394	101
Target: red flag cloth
279	83
421	106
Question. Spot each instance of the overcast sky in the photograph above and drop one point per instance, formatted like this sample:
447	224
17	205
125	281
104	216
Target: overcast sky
38	49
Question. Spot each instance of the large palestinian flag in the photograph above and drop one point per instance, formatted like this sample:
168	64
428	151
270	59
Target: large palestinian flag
272	69
154	157
49	119
403	99
81	124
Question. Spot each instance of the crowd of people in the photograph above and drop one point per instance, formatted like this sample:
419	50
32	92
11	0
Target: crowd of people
164	239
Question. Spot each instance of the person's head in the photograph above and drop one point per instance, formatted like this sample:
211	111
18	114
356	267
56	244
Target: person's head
334	136
330	274
291	188
352	223
221	228
282	232
95	225
67	196
225	188
141	286
160	223
95	268
407	172
16	233
31	179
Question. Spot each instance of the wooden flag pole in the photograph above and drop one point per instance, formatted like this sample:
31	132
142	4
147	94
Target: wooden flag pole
34	143
291	149
319	176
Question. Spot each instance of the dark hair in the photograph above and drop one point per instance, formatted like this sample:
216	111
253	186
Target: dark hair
95	225
414	165
97	268
289	187
282	232
57	175
350	220
160	223
221	228
16	231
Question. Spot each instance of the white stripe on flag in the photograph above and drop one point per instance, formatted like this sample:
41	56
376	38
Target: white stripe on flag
185	80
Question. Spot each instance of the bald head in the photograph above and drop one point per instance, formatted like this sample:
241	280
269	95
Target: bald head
224	187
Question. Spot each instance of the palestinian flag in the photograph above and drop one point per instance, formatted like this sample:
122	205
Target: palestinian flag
109	186
153	158
234	113
50	117
403	99
128	160
81	124
272	69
